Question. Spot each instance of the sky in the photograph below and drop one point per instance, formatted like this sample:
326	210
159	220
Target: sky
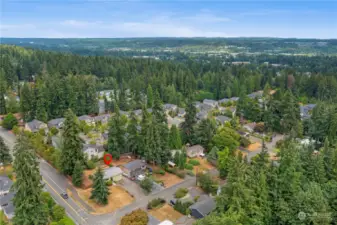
167	18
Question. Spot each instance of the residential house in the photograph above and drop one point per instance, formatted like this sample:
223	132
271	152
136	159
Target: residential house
5	185
101	106
57	123
224	101
197	105
234	99
222	119
174	121
170	107
250	126
121	112
202	208
134	168
233	110
103	119
194	151
181	112
88	119
211	103
137	112
305	110
257	94
6	199
35	125
201	115
205	107
93	150
9	210
113	173
149	110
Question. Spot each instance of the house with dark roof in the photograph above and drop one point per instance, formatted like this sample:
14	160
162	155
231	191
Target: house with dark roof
57	123
35	125
134	168
224	100
202	208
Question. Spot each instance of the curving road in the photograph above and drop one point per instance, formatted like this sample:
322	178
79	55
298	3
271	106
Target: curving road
56	183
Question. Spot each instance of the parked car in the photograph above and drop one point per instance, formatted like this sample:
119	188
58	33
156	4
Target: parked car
172	202
64	195
141	177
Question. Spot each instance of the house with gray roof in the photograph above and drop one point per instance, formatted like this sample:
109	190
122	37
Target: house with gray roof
194	151
88	119
234	99
57	123
93	150
35	125
103	119
169	107
101	106
181	112
5	185
113	173
257	94
137	112
201	115
305	110
205	107
222	119
6	199
211	103
202	208
134	168
9	210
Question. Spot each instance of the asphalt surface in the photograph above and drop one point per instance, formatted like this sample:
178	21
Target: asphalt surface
56	183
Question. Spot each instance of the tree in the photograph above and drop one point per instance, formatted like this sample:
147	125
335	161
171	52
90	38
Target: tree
117	134
137	217
100	190
226	137
175	139
77	177
188	125
58	213
72	145
149	97
5	156
205	131
26	103
223	157
146	184
206	182
9	121
3	88
133	139
27	200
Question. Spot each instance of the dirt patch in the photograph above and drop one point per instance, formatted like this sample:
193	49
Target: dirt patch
166	212
204	165
122	160
118	198
254	147
87	182
168	179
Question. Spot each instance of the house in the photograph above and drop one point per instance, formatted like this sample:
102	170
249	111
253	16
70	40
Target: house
6	199
205	107
197	105
234	99
201	115
35	125
181	112
5	185
170	107
101	106
134	168
137	112
88	119
233	110
174	121
57	123
211	103
121	112
113	173
103	119
9	211
222	119
257	94
93	150
250	126
149	110
202	208
305	110
194	151
224	101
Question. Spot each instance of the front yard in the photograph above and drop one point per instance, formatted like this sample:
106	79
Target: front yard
166	212
168	179
118	198
204	165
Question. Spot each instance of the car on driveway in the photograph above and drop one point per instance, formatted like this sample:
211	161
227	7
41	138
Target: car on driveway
64	195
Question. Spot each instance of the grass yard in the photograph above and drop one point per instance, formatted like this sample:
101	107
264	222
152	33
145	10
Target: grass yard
168	179
254	147
204	165
118	198
166	212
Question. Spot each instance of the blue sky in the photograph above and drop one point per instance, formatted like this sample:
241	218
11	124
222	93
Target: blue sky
167	18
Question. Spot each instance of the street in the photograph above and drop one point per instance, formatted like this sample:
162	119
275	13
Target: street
55	183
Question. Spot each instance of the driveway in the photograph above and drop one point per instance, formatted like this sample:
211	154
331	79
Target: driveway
133	188
269	145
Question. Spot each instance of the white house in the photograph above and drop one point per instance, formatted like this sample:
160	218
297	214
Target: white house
93	150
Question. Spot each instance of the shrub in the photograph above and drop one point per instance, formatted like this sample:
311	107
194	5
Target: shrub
207	183
9	121
115	155
54	131
190	173
146	184
188	166
90	165
137	217
244	141
259	127
162	172
183	207
196	198
194	162
181	174
16	130
109	182
156	203
181	192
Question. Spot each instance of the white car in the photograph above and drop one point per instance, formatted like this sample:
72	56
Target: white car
141	177
202	155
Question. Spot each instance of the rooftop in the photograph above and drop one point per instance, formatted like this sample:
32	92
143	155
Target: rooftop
111	172
204	207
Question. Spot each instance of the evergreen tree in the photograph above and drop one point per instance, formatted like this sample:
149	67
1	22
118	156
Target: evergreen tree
175	139
117	134
3	88
205	131
158	110
26	103
29	208
77	177
72	144
5	156
188	125
149	97
100	190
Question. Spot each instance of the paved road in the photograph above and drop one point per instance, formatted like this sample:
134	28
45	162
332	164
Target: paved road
56	183
269	145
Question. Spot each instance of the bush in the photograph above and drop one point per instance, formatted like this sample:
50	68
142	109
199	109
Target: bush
207	183
155	203
159	171
259	127
137	217
244	141
9	121
181	174
115	155
190	173
90	165
196	198
183	207
181	192
109	182
16	130
188	166
146	184
194	162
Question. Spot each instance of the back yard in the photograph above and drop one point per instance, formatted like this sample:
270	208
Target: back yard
166	212
204	165
168	179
